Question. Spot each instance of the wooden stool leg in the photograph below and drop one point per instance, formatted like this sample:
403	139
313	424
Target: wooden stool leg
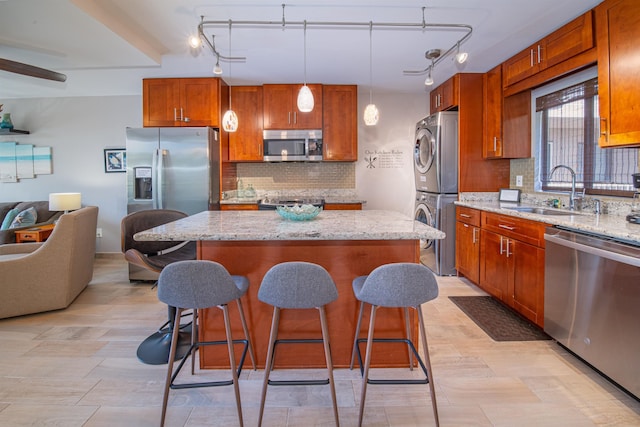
246	333
327	355
367	362
355	338
427	362
269	362
172	356
232	361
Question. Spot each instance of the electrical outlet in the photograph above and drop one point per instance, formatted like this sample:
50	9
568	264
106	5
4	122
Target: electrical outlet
518	180
98	232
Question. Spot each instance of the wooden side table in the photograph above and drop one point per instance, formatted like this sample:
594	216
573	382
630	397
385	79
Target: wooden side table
34	234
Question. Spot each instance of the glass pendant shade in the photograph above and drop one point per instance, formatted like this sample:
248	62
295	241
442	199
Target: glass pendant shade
461	57
371	115
305	99
230	121
429	80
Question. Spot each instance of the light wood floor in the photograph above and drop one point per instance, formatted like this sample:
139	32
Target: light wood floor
77	367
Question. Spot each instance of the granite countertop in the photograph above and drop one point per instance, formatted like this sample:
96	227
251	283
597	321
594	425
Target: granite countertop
327	199
268	225
614	226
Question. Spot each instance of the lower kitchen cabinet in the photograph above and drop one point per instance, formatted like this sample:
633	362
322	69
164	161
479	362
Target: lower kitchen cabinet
468	243
512	263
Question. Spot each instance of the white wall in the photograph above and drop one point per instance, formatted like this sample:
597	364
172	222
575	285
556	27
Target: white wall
384	172
78	130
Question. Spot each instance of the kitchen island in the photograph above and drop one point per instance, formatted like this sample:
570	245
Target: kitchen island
346	243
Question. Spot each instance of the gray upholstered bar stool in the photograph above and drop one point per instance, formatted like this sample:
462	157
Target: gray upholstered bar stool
298	285
197	285
405	285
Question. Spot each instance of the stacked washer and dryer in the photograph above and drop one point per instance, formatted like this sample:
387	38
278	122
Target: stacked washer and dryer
436	175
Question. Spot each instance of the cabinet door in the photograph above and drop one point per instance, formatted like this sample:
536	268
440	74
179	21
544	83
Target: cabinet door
160	102
200	102
340	130
468	251
444	96
495	269
522	65
492	114
569	40
618	32
246	143
527	287
277	106
516	131
312	119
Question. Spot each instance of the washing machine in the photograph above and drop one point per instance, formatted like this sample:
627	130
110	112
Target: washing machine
436	153
438	211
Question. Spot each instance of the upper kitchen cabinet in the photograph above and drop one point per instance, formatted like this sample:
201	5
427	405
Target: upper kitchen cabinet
492	113
281	110
566	42
445	96
181	101
618	32
340	130
245	144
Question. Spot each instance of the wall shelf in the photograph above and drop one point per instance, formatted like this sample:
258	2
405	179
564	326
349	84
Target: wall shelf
13	132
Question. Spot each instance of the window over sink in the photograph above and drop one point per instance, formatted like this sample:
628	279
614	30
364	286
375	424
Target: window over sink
566	131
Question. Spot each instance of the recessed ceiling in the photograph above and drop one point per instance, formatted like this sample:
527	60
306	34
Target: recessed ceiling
106	47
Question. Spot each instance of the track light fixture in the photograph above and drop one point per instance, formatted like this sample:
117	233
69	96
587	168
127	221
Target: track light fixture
371	114
400	26
230	118
461	57
305	97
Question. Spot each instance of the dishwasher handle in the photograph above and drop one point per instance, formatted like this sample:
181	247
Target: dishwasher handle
614	256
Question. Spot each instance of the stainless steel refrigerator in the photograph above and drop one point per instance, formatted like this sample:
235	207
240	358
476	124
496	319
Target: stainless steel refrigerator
173	168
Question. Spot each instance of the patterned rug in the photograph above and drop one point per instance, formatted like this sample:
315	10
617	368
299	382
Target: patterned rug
498	321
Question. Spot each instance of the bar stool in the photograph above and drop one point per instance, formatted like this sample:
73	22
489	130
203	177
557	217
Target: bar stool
395	285
197	285
298	285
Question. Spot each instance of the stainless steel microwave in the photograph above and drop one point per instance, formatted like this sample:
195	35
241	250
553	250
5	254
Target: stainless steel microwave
292	145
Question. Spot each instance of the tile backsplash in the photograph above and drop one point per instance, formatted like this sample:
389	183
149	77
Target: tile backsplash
298	176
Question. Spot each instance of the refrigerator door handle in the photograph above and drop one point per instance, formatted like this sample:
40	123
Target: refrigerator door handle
154	180
160	177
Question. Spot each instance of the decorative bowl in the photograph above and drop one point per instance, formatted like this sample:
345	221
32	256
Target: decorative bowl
298	212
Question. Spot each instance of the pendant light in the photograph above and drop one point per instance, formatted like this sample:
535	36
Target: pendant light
371	114
230	119
305	97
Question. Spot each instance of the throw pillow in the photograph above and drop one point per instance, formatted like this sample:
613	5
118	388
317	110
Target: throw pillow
8	218
25	218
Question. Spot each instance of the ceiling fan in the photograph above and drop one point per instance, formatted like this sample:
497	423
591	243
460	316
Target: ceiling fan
31	70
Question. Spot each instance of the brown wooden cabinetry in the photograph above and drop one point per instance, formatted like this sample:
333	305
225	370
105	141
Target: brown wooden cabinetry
618	32
181	101
281	110
468	243
492	113
568	41
512	263
445	96
239	207
340	129
516	126
245	144
343	206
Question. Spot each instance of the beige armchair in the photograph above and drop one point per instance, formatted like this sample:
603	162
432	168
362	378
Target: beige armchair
37	277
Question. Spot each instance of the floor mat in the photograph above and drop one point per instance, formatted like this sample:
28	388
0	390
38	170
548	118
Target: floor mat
498	321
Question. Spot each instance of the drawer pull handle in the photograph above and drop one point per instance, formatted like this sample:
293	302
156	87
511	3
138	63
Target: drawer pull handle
465	215
506	227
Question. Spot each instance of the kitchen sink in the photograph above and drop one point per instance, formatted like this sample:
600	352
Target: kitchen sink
542	211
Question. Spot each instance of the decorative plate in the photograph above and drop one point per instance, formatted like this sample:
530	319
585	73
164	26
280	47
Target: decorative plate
299	212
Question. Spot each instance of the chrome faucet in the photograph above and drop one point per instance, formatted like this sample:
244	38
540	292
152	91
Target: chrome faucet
572	196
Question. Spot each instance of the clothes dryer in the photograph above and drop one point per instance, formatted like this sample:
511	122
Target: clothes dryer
438	211
436	153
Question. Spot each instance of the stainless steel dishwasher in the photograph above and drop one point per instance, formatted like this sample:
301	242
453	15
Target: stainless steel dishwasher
592	302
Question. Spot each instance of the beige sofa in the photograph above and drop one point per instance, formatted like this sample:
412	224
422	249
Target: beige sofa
45	216
37	277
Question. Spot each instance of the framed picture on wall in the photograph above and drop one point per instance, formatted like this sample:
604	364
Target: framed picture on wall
115	160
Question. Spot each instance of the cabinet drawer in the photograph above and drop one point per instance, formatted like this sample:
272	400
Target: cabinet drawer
468	215
531	232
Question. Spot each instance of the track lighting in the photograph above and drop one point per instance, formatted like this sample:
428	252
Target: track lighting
305	97
461	57
371	114
217	69
230	118
429	80
195	42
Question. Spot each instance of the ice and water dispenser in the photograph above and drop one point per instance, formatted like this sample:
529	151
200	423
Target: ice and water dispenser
143	183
